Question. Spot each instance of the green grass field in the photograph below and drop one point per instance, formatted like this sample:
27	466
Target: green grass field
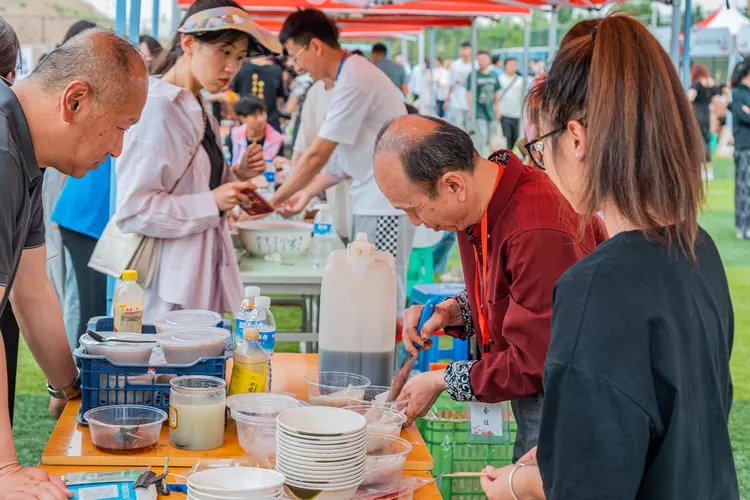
33	425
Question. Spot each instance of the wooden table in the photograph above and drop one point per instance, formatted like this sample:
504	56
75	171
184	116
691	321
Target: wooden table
427	492
70	444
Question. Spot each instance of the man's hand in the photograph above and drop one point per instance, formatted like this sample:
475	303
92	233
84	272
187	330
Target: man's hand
447	313
280	162
498	115
296	204
421	392
252	164
28	483
56	407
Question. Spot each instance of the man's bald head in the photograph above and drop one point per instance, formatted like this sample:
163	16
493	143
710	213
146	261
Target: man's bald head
427	148
105	61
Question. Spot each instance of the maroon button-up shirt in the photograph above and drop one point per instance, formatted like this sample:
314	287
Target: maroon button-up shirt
534	236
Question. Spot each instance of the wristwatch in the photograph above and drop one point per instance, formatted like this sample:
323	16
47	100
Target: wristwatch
67	392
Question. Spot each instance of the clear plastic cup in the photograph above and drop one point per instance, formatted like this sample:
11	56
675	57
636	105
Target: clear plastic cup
197	406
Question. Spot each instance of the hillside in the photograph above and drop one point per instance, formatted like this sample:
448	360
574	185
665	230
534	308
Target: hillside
46	21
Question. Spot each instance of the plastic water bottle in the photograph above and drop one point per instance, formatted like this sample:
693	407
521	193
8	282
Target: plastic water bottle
270	175
243	313
323	237
127	304
262	319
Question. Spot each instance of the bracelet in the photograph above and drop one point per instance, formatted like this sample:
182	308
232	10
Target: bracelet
510	479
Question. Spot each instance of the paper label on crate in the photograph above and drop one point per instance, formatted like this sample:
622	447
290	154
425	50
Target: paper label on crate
173	417
486	419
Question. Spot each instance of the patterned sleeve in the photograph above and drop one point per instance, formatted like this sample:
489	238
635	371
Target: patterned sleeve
467	330
458	381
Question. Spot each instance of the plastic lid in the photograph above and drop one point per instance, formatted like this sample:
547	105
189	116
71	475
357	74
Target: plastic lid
129	275
251	292
192	318
250	333
361	236
262	302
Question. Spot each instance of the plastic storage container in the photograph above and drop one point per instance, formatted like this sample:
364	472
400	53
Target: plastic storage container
125	428
358	312
104	383
197	406
182	347
445	432
188	318
255	416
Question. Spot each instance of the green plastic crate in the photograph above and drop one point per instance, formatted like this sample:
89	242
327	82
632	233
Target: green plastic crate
445	432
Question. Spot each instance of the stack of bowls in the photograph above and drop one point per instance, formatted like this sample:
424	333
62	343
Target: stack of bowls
235	483
321	451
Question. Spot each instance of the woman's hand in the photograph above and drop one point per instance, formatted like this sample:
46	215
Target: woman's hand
421	391
229	195
252	164
527	483
447	313
29	483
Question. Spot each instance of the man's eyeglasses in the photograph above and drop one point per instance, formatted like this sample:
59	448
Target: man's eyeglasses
536	147
293	58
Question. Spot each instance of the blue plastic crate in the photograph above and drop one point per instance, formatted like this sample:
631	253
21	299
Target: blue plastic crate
106	383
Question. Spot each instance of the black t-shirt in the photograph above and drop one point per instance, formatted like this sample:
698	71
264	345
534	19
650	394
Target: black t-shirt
637	383
21	220
702	101
266	83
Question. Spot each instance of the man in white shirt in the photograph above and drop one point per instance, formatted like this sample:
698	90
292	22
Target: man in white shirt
362	101
511	101
458	103
312	117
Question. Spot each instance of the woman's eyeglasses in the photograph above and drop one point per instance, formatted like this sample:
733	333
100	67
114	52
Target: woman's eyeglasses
536	147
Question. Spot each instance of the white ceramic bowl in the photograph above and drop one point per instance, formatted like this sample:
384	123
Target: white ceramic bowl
197	495
322	460
307	465
322	441
264	237
326	485
119	352
321	421
184	347
327	473
229	481
186	319
387	465
289	445
317	479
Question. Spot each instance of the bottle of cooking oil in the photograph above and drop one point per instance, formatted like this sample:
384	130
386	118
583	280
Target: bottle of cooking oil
127	304
250	365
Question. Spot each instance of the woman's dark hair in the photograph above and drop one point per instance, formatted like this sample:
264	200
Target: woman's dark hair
698	72
154	47
77	28
306	24
643	146
357	52
9	47
740	72
169	57
249	105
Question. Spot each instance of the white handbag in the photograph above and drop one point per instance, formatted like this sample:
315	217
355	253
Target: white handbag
117	251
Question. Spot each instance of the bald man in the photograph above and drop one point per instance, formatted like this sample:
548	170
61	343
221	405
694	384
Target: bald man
68	115
516	234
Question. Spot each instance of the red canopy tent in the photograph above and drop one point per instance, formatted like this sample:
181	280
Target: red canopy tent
356	29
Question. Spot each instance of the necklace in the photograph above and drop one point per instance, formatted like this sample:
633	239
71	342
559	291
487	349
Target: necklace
617	231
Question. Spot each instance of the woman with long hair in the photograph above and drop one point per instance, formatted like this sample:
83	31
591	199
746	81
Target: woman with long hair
636	381
151	50
740	108
702	91
172	180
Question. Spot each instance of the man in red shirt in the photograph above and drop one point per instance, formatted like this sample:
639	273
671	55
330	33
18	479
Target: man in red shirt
516	235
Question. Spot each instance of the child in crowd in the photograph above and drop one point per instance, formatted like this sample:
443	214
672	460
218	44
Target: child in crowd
254	129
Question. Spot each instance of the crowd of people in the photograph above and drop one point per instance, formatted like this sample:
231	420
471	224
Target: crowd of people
600	307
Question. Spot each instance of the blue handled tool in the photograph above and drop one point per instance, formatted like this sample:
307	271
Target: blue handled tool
409	359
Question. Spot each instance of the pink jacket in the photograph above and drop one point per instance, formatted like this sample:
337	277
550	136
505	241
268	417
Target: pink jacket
271	147
197	266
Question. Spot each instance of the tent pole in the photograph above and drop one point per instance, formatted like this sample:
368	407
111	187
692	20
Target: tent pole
176	15
389	48
420	60
675	45
121	17
155	20
654	17
686	45
432	72
474	48
134	26
552	34
405	51
526	43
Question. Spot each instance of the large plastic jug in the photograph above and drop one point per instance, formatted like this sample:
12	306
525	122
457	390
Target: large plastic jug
358	312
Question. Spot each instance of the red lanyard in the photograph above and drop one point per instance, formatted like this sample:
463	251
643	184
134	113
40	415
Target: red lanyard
480	296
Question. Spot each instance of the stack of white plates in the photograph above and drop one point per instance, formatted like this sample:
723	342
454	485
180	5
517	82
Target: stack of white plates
321	449
235	483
